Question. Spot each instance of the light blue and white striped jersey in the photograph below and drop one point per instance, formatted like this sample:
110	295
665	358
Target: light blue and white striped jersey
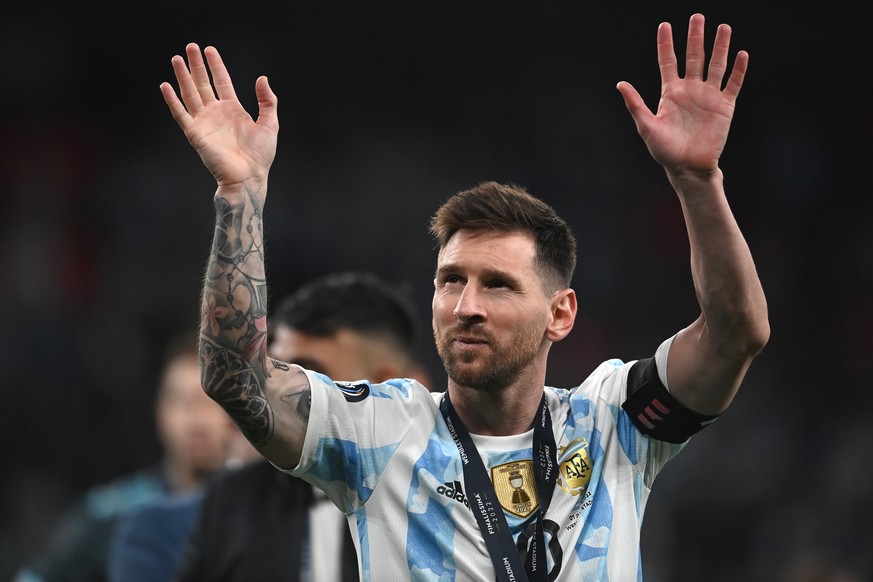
383	454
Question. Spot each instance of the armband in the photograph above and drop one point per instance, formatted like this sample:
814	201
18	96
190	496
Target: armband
654	411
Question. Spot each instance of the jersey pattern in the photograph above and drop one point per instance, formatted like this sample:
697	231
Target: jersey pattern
388	461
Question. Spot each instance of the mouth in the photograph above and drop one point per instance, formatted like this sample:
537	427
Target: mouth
468	341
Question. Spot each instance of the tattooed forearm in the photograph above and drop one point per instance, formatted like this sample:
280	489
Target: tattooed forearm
234	302
238	232
238	389
233	326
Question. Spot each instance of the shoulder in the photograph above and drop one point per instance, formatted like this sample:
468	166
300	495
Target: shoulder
174	504
167	513
399	389
396	389
607	369
125	493
611	373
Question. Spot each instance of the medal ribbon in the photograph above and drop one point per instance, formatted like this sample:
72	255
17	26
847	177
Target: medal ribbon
486	507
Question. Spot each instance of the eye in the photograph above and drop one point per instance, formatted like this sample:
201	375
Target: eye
448	277
498	284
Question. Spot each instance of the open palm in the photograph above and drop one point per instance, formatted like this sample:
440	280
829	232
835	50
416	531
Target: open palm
233	146
689	130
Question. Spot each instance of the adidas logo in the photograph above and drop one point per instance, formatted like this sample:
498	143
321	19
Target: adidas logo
453	491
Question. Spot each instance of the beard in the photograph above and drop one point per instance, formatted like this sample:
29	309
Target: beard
487	370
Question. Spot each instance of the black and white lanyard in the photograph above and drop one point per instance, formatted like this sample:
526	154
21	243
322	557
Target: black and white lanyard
486	507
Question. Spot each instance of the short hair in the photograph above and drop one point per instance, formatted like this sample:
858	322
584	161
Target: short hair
510	208
356	301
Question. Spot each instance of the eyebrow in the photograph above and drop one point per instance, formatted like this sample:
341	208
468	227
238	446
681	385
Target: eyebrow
486	273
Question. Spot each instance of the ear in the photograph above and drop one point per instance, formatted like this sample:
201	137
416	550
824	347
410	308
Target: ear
563	315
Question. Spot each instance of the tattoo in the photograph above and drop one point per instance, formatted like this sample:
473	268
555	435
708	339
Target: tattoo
238	389
303	394
235	276
230	239
280	365
233	326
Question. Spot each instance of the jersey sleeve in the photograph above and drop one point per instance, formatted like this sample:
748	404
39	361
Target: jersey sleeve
652	408
354	429
607	389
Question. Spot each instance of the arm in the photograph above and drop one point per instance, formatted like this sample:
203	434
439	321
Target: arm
709	358
268	400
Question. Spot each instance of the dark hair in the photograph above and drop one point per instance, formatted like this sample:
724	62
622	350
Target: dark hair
510	208
356	301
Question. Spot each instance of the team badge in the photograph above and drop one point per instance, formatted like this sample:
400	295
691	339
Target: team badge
515	487
354	392
575	467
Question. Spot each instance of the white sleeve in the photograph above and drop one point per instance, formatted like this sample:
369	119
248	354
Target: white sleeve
661	360
354	429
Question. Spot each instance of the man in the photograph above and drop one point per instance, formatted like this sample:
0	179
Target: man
147	542
499	476
195	435
256	523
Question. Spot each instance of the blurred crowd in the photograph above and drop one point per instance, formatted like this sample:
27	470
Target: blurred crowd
108	224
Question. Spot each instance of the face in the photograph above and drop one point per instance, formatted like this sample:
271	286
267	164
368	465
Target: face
194	430
344	356
490	311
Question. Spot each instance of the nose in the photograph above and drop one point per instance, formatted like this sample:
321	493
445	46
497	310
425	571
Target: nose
469	306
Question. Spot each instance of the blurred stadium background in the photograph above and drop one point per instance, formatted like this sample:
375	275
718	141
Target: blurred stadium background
386	109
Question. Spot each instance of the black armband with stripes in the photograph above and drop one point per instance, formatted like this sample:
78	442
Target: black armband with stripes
654	411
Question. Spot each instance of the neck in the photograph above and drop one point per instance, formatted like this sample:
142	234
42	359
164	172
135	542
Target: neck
182	478
508	412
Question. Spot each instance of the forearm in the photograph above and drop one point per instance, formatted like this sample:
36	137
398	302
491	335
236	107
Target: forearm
233	320
732	302
267	399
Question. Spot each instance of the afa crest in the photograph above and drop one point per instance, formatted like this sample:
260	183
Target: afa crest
576	467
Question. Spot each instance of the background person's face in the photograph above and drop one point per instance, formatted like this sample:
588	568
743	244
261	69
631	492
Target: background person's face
194	429
342	356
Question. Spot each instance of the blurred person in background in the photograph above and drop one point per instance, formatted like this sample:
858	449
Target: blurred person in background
258	523
195	435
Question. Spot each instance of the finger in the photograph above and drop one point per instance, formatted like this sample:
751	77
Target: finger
199	73
187	88
694	54
220	76
268	112
718	62
738	74
666	54
635	105
177	110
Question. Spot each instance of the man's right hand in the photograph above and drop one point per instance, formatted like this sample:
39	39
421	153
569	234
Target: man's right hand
236	149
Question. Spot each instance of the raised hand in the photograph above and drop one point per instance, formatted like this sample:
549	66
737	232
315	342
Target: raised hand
689	130
233	147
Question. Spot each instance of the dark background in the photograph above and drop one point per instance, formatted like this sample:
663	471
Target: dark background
386	109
